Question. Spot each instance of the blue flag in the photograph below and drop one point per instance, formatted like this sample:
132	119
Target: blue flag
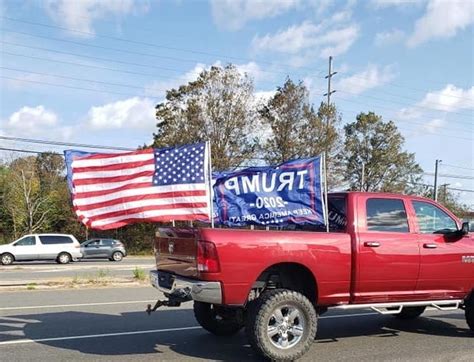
287	193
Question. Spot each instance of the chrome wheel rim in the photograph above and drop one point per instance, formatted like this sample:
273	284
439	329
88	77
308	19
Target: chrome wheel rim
285	327
117	256
6	259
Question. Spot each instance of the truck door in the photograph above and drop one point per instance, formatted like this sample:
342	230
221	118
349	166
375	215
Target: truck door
443	270
388	257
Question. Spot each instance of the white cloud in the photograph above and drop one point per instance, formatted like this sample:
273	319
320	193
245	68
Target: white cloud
36	121
449	99
397	3
408	113
389	37
373	76
80	14
333	37
233	14
443	19
131	113
434	125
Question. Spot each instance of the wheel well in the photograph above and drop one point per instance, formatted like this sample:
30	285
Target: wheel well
291	276
7	253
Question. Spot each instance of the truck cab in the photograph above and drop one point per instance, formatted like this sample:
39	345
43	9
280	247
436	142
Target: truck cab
396	254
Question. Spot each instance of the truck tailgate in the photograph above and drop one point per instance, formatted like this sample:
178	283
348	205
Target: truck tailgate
176	251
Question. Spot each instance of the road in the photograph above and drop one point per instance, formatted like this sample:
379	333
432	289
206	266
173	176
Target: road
48	270
109	324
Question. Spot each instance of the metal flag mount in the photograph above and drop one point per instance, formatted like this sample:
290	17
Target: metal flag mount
209	182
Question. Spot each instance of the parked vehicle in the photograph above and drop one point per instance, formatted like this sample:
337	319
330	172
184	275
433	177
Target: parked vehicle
111	249
393	253
60	247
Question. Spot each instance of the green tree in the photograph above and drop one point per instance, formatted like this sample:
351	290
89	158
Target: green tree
296	129
378	146
24	200
217	106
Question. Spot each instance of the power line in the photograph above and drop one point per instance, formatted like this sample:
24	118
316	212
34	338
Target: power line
83	65
403	104
462	177
398	85
424	124
394	109
70	87
28	151
94	58
131	41
125	51
460	167
83	79
59	143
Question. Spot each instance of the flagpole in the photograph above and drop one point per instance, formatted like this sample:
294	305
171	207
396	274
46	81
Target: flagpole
209	177
326	206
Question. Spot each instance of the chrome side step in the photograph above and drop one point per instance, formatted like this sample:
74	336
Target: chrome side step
395	308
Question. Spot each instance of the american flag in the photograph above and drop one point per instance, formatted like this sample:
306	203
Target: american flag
110	190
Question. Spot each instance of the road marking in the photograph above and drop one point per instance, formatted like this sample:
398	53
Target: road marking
24	341
75	305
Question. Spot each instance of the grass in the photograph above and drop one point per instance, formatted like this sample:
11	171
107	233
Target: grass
31	286
139	274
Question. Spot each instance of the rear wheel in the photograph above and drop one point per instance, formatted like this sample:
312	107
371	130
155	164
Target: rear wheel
7	259
410	312
469	311
64	258
116	256
218	320
281	324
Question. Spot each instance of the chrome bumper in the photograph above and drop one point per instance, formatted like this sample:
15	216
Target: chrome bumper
201	291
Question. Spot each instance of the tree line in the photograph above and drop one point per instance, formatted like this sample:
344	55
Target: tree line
245	129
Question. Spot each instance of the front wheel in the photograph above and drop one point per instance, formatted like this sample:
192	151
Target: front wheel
217	320
281	324
410	312
469	311
7	259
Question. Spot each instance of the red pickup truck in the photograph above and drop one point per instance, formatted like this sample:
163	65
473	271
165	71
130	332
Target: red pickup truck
393	253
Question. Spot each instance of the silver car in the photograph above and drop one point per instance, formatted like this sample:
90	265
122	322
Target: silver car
103	248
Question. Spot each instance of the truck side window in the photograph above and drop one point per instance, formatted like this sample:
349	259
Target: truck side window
432	219
386	215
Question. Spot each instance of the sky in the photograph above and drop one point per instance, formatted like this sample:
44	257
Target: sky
92	71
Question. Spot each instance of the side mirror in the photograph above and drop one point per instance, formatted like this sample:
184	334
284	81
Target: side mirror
464	228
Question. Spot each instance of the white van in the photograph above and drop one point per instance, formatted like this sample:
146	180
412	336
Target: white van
60	247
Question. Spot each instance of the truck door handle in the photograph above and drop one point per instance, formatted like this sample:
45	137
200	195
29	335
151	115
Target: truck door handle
430	246
372	244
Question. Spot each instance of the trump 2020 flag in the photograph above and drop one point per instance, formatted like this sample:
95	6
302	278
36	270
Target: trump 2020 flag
110	190
287	193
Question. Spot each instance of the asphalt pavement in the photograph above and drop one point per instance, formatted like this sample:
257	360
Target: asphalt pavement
49	270
110	324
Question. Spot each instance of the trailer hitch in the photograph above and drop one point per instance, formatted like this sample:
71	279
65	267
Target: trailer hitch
161	303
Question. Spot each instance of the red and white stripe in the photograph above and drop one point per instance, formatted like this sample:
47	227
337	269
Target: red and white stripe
113	190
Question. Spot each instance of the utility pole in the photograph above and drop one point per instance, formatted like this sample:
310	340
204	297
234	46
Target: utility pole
362	178
328	77
435	193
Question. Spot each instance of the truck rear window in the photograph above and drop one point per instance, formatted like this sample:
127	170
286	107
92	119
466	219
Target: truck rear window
386	215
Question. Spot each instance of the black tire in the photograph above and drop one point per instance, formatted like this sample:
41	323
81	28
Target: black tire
7	259
218	322
263	314
410	312
116	256
64	258
469	311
